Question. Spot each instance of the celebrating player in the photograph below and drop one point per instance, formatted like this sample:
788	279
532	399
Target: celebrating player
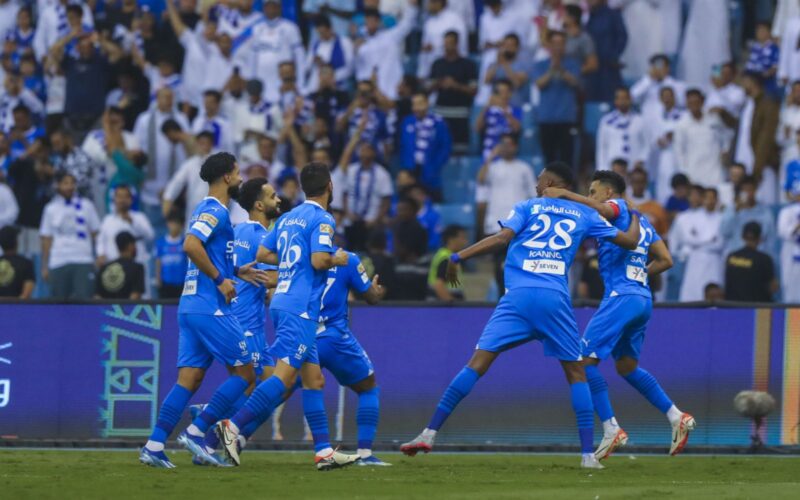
302	246
618	327
342	355
208	328
544	234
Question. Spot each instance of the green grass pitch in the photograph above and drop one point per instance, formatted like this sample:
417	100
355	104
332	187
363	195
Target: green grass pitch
264	475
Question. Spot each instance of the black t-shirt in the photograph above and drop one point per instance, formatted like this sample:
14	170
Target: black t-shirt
329	103
15	270
591	276
384	266
31	191
748	274
119	279
441	273
463	71
87	84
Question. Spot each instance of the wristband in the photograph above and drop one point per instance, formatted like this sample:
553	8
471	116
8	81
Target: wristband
236	270
636	213
219	279
455	259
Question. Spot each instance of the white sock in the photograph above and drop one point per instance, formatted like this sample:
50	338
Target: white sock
610	427
429	433
364	452
242	440
674	415
192	430
154	446
587	457
324	453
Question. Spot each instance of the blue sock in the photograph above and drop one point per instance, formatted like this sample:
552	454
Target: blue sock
458	389
647	385
599	388
211	440
367	417
221	402
584	413
253	426
170	413
267	396
317	418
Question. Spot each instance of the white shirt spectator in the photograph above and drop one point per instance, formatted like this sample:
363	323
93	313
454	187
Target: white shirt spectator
656	27
70	223
219	126
698	149
465	9
8	16
194	70
786	10
9	210
188	178
507	182
139	226
218	70
646	93
695	237
274	41
262	118
786	135
163	157
433	32
620	135
325	50
95	148
789	233
8	102
730	97
382	52
706	40
340	25
366	189
493	28
661	160
249	157
52	25
789	61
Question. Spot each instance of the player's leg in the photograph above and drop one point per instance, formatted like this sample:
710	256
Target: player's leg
367	417
581	398
193	359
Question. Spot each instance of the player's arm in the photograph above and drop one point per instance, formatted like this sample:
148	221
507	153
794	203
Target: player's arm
196	251
375	293
660	258
322	261
605	209
629	239
266	256
490	244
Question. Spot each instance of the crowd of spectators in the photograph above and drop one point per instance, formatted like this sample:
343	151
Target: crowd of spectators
435	116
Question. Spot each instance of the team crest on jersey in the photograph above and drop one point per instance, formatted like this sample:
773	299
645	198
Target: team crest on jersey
361	268
208	219
535	209
326	228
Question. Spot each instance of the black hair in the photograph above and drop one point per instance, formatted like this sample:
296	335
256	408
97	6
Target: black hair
756	77
695	92
8	238
575	12
510	135
170	125
749	179
213	93
450	232
322	21
621	162
554	33
659	57
75	9
126	187
205	134
251	192
512	36
639	170
622	88
737	165
420	91
610	179
711	286
63	174
21	108
372	13
453	33
124	240
697	187
216	166
314	179
502	81
562	171
411	201
712	190
176	216
751	230
116	110
679	180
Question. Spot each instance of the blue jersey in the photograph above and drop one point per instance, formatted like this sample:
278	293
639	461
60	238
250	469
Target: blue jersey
248	306
334	311
173	259
624	271
305	230
211	224
549	232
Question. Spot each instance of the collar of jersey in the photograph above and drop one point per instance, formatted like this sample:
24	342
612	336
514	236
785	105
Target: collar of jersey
251	221
212	198
312	202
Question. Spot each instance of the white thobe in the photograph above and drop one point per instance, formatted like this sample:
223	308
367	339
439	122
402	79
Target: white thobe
188	177
788	222
382	53
646	93
196	49
644	25
789	60
706	41
219	126
507	183
493	28
662	164
788	127
433	34
465	9
620	136
324	49
164	157
218	70
8	16
273	42
698	149
696	239
9	209
113	224
786	10
730	97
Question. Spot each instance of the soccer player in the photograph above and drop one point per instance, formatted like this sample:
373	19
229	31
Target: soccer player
208	329
340	352
544	234
618	327
302	246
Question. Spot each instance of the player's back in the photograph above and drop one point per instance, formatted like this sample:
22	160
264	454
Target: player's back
549	232
248	306
624	271
340	280
297	234
211	224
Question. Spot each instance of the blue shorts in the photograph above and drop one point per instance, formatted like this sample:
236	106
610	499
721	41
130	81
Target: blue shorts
204	337
342	355
618	327
525	314
295	339
257	345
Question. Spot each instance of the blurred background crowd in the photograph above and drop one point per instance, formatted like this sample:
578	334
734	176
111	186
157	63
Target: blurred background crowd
435	116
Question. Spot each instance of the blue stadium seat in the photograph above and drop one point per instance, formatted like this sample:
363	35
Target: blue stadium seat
462	214
474	136
592	114
528	140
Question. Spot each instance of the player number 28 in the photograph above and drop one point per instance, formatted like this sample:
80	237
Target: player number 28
558	241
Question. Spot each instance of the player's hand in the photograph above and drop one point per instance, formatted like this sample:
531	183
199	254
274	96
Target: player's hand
252	275
378	288
630	205
340	258
228	290
451	275
554	192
